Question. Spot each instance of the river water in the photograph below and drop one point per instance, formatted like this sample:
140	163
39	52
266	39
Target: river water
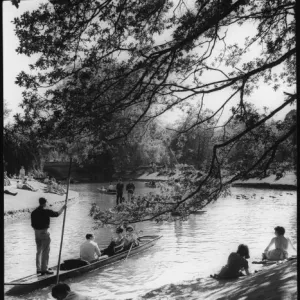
188	250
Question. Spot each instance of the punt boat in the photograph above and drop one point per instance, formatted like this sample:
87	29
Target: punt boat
33	282
150	184
105	191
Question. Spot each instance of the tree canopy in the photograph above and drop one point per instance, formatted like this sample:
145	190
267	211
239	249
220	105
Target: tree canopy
105	67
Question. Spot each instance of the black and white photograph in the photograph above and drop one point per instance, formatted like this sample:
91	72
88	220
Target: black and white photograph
150	149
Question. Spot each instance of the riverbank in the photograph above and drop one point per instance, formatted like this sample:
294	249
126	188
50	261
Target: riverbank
276	282
287	182
26	201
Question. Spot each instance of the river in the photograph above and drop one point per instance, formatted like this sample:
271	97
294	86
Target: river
190	249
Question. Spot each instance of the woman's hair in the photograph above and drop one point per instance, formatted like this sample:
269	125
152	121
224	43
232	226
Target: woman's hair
119	230
60	289
243	251
280	230
129	228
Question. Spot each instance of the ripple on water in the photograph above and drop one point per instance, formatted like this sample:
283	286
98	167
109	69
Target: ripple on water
194	248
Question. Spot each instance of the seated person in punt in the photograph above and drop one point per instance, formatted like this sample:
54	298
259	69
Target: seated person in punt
89	250
131	238
281	246
116	245
237	261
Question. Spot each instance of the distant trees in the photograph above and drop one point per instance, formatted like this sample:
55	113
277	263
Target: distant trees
109	66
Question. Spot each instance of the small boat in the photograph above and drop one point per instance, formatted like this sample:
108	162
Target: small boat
197	212
150	184
33	282
105	191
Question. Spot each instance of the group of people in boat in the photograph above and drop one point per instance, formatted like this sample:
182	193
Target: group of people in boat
125	239
237	261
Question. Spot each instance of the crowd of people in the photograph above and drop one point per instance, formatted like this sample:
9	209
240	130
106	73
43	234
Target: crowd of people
22	182
53	186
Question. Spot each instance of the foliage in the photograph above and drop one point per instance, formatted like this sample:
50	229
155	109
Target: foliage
108	66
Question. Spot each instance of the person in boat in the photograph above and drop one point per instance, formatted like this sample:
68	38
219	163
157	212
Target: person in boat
89	250
119	188
116	245
130	188
281	246
111	187
237	261
40	221
62	291
130	238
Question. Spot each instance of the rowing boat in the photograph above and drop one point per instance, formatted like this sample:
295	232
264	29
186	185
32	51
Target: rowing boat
150	184
33	282
105	191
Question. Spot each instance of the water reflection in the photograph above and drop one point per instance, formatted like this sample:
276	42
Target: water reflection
194	248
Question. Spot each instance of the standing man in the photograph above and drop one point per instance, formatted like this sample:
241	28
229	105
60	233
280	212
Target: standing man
119	188
130	189
40	221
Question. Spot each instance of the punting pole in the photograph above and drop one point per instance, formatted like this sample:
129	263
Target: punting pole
63	227
129	251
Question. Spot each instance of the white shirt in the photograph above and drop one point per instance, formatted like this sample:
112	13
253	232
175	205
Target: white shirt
88	250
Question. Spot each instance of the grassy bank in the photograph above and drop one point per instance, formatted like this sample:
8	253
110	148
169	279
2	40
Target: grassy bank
26	201
276	282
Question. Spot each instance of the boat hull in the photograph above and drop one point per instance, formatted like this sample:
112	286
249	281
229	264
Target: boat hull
34	282
107	192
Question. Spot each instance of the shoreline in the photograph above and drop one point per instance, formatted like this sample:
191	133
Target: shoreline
287	182
273	282
21	205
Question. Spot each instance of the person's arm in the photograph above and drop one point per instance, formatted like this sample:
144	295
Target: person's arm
292	246
97	250
56	213
271	243
247	272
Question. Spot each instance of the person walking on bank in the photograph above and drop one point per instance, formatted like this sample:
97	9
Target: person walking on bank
40	221
130	189
119	188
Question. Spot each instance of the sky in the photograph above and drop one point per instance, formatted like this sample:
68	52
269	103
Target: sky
14	63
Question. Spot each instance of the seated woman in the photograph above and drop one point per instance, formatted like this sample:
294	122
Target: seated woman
237	261
60	189
281	245
130	238
116	245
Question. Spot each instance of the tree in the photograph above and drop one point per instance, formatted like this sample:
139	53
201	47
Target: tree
115	48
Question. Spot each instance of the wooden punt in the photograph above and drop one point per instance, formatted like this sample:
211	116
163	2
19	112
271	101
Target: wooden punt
107	192
150	185
33	282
